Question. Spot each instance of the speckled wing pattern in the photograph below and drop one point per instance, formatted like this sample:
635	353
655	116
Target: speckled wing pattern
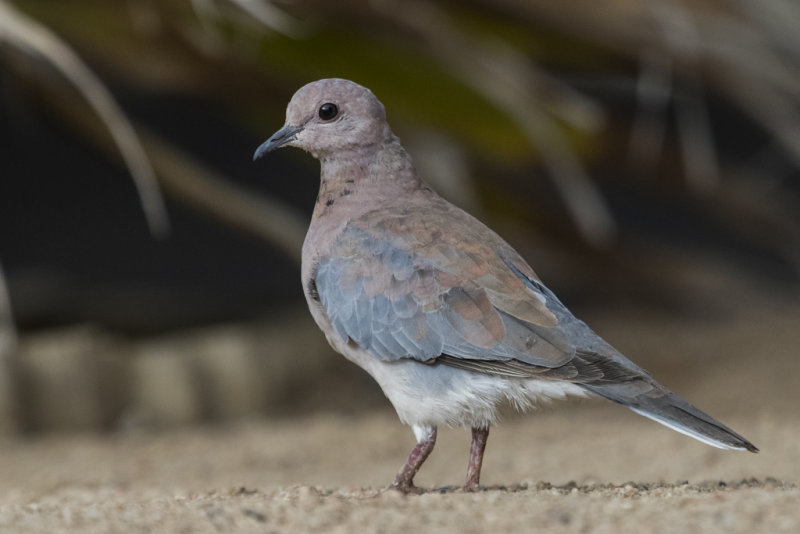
398	286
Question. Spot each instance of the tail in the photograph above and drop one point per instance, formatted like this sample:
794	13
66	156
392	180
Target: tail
665	407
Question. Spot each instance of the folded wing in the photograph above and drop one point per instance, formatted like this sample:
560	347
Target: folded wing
400	288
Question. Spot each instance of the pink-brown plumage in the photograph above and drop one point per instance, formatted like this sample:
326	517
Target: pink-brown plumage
439	309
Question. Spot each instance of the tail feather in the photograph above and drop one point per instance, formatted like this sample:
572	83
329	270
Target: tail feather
667	408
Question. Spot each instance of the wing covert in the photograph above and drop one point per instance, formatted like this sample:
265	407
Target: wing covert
435	300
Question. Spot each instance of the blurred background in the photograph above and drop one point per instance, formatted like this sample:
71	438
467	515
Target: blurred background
644	157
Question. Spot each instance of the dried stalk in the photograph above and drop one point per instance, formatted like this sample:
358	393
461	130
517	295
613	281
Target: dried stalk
26	36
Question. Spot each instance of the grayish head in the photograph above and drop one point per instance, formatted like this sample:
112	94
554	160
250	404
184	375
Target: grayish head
332	116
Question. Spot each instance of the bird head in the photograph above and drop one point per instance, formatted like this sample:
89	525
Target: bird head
331	117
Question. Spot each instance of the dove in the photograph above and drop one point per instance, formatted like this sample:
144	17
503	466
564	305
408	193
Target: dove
442	312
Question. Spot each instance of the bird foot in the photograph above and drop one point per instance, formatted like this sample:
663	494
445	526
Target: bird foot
406	488
471	488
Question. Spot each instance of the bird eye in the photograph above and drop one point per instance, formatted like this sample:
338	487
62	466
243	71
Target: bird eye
328	111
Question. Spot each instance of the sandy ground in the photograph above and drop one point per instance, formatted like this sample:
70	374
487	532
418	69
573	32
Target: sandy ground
584	468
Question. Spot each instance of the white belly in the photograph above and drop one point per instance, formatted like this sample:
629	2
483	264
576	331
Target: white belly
432	395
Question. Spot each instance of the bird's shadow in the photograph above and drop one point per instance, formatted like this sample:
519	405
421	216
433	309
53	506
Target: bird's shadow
626	489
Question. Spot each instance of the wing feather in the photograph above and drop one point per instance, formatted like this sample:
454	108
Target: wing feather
400	288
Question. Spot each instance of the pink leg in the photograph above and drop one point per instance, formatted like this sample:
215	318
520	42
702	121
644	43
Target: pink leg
479	437
404	481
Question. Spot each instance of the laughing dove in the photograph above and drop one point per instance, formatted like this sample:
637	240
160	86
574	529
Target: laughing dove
440	310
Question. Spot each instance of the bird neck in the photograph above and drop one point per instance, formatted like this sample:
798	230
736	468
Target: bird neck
366	175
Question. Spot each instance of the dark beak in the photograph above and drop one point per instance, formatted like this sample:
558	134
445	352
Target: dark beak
278	139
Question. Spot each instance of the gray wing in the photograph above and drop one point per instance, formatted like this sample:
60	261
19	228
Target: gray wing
467	303
400	288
